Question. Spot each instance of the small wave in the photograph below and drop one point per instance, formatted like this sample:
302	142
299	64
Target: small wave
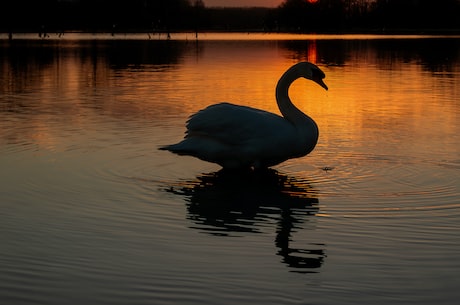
372	184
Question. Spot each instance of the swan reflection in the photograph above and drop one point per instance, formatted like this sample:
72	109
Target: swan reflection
225	203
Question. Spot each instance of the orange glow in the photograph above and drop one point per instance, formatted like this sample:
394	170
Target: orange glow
312	1
361	96
312	52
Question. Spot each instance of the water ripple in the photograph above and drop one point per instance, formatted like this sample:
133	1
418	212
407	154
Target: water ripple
386	184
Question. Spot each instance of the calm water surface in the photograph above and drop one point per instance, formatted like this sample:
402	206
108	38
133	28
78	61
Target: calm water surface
92	213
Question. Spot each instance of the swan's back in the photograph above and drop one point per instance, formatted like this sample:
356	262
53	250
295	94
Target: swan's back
237	136
232	124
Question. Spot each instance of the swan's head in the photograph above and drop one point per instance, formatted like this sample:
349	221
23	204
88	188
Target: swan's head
312	72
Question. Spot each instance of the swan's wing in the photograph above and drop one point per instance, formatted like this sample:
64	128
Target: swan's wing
237	136
235	125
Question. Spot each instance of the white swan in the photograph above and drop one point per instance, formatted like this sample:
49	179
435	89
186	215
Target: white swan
243	137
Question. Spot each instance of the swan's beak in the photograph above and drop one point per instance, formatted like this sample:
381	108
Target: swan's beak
321	83
318	78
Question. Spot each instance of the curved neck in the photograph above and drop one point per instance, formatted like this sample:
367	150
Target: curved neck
304	124
286	107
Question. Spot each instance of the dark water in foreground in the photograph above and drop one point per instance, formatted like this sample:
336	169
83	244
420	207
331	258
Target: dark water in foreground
92	213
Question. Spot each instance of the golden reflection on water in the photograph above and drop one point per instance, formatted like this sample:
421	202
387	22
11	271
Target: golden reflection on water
370	89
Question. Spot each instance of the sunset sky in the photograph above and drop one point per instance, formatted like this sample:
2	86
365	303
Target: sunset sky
242	3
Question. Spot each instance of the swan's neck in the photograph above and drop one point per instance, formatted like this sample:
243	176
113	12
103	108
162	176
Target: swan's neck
287	108
305	125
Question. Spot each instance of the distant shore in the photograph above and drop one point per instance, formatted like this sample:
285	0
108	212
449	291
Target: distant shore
189	35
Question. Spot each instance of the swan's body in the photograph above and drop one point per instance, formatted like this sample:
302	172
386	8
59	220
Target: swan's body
242	137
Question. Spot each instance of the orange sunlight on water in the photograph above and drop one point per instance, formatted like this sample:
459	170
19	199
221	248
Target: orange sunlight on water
360	97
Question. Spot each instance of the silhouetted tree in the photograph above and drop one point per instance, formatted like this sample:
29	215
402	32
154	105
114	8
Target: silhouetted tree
198	14
416	14
299	15
333	13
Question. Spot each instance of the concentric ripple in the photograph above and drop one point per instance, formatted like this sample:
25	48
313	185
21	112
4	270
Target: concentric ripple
381	184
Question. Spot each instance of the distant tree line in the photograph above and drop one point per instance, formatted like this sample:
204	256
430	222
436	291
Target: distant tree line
95	15
179	15
346	15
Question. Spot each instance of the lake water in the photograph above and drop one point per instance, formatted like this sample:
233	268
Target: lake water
93	213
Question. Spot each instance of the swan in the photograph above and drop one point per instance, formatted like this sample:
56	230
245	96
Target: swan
241	137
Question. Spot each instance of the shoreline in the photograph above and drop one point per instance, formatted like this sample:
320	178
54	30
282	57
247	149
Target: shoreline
225	35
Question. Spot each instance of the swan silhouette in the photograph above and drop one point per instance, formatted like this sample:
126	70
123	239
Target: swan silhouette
240	137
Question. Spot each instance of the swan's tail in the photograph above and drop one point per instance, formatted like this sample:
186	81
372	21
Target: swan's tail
176	149
165	147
